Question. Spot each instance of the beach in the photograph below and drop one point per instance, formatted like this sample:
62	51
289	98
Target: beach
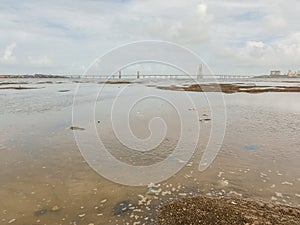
46	180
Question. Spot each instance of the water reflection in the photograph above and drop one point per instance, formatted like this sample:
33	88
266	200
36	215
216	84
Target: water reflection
45	180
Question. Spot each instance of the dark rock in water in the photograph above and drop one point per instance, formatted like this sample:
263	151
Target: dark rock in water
76	128
40	212
121	207
204	119
63	90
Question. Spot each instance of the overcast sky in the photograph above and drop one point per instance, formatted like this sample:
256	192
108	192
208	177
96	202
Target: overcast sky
231	36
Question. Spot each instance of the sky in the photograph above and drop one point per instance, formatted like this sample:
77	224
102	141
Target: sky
232	36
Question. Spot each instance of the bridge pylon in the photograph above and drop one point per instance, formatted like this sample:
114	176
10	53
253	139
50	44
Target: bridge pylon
200	72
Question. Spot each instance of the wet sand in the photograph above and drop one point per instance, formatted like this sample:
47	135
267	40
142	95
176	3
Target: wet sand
18	88
45	180
8	83
231	88
118	82
226	211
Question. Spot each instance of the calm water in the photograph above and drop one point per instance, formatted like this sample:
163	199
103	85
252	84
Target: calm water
42	167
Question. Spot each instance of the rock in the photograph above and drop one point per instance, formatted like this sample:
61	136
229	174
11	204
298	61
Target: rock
76	128
235	194
278	194
55	208
152	185
151	191
63	90
40	212
103	201
205	119
223	183
121	207
273	198
11	221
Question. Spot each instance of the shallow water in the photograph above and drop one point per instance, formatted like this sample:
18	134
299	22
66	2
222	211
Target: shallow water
41	165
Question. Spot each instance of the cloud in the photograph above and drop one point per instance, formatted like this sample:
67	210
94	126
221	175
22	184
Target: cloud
8	55
193	28
276	23
284	53
43	61
280	16
63	36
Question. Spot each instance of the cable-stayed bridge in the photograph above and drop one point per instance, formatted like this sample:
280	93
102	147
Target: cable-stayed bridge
199	75
162	76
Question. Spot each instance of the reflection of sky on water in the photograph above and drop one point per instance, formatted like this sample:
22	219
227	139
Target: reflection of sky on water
39	155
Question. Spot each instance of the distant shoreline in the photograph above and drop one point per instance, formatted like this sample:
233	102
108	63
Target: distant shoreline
125	76
31	76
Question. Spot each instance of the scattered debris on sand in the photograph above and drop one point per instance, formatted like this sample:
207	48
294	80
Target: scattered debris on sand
122	207
226	211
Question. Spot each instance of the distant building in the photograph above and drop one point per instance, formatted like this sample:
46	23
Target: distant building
275	73
291	74
2	76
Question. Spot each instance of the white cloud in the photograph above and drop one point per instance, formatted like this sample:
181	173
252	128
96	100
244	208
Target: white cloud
284	53
8	55
42	61
192	28
202	9
70	34
276	22
281	15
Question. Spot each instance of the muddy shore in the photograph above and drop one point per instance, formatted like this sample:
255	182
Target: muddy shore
231	88
18	88
223	211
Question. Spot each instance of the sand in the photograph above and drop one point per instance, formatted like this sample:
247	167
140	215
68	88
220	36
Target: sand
223	211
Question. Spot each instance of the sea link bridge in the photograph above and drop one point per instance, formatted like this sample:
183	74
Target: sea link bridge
162	76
